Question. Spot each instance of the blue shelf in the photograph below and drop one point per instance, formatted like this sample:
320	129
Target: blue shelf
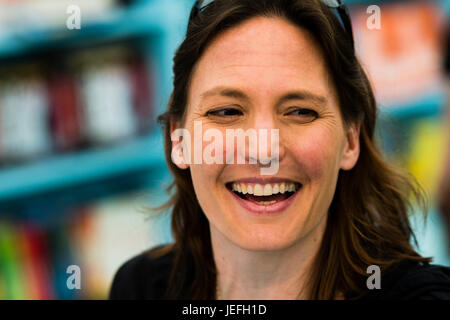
426	106
119	24
60	171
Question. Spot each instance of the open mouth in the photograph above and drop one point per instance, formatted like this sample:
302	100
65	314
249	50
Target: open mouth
264	194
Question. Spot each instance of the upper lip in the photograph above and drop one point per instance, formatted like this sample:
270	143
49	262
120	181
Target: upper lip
263	180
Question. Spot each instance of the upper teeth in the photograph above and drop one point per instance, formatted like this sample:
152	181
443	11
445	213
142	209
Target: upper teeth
265	189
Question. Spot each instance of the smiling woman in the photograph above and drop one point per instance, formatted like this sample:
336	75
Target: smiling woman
333	208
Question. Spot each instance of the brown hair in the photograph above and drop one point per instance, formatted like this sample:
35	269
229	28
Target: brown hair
368	217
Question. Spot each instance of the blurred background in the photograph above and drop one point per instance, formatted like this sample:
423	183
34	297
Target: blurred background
81	156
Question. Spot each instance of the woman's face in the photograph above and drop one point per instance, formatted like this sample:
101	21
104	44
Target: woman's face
268	74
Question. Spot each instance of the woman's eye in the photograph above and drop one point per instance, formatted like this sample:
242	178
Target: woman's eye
225	112
306	114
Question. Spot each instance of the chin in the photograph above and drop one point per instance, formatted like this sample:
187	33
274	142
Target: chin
264	242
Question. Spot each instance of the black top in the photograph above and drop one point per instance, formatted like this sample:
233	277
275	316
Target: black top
143	277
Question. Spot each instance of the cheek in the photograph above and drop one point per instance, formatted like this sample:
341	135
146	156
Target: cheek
207	145
207	187
206	161
204	176
317	152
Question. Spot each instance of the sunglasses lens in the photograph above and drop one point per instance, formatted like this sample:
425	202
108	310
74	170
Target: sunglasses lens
332	3
204	3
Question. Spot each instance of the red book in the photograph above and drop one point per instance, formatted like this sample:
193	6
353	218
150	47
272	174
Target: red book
142	85
36	262
65	111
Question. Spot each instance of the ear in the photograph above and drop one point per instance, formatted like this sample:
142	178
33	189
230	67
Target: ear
178	156
351	150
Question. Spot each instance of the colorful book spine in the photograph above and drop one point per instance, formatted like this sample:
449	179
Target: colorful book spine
61	257
24	111
106	96
65	110
10	266
142	85
33	245
2	287
101	96
38	254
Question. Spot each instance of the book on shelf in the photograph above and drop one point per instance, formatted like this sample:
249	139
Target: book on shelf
92	97
65	108
141	79
34	257
106	95
60	258
10	266
98	238
403	57
109	233
23	113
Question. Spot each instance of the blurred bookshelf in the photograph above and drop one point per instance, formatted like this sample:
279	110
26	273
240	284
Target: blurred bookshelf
428	106
85	166
140	22
80	194
78	132
404	62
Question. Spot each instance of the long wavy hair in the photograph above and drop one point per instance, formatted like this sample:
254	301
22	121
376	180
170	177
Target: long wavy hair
368	220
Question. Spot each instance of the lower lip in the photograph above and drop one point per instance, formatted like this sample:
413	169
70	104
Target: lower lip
274	208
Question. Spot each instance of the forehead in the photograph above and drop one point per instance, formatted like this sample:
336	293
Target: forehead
263	54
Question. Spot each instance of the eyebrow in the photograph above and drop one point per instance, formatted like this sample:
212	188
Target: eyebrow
292	95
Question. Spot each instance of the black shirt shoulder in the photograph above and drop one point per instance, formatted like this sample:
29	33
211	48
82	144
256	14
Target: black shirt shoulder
145	276
412	280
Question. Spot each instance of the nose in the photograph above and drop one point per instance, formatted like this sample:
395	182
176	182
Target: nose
264	146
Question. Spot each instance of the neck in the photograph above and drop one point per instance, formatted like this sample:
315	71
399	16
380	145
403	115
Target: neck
265	274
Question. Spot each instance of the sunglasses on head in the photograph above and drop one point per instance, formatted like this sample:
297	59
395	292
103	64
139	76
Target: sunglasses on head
338	7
